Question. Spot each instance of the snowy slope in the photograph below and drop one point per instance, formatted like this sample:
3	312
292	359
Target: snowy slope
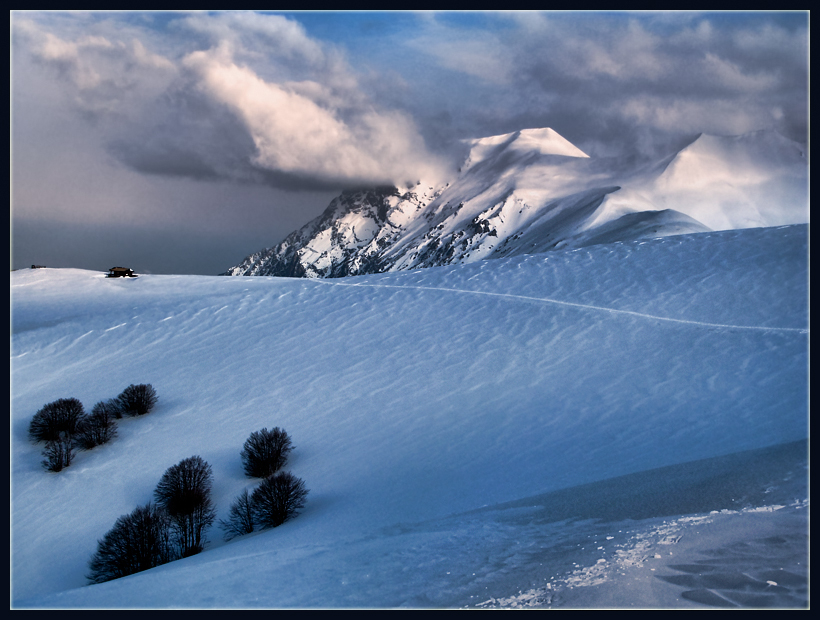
532	191
416	398
756	179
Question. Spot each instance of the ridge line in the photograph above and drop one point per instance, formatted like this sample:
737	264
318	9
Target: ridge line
575	305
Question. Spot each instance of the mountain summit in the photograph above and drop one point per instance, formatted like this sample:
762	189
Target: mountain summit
532	191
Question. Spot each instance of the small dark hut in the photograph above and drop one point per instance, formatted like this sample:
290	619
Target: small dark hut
121	272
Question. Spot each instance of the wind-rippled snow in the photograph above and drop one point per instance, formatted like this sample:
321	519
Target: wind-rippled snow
414	398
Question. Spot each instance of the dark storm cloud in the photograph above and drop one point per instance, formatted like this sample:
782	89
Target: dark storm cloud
261	102
617	82
183	133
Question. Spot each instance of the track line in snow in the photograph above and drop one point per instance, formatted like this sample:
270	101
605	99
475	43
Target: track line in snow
575	305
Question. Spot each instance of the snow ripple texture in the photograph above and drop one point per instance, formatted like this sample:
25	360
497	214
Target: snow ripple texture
411	404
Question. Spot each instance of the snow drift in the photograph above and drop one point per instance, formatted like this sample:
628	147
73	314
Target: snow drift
435	414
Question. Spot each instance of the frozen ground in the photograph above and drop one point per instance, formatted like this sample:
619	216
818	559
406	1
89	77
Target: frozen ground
464	431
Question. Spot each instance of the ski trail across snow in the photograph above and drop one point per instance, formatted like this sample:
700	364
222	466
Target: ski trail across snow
574	305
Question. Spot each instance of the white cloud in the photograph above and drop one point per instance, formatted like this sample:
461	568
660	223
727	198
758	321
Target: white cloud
731	76
278	35
297	99
104	75
713	116
295	131
486	58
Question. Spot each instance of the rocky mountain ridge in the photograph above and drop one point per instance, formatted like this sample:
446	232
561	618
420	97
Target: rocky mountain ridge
533	191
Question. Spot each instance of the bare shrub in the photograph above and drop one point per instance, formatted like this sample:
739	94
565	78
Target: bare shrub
99	427
111	406
59	417
137	542
265	452
137	399
278	499
240	519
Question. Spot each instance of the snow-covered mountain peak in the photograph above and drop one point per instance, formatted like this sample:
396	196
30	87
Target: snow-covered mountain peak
540	141
533	191
765	146
755	179
545	141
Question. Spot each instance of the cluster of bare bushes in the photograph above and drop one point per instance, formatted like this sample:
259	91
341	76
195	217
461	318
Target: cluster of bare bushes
64	425
174	526
279	497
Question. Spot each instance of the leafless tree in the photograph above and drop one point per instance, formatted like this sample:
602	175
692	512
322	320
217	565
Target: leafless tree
58	453
185	492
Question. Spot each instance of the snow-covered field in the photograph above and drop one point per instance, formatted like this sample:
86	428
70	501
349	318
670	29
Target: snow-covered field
621	425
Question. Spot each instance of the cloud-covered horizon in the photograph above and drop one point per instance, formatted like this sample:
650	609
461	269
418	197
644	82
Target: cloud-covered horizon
312	103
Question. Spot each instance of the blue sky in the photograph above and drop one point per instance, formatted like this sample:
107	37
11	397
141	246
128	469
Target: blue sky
179	143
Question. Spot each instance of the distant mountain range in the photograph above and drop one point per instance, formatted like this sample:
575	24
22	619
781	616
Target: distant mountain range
532	191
